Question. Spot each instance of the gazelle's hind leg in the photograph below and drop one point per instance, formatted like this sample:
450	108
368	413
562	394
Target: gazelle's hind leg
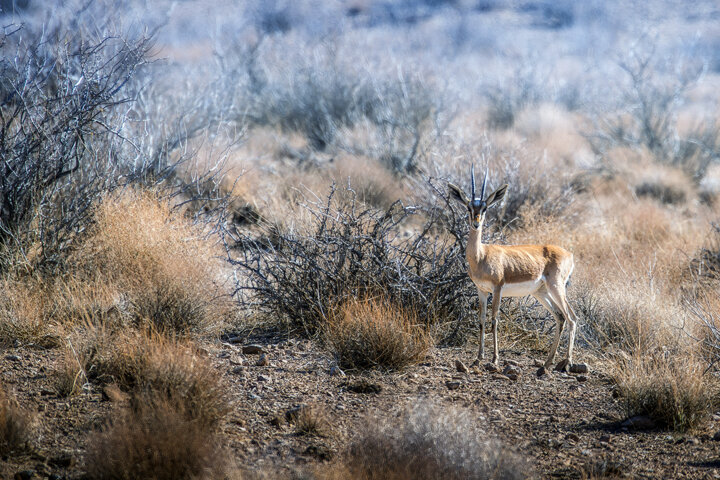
544	298
557	297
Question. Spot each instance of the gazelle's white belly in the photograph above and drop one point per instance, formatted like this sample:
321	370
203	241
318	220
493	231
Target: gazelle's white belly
519	289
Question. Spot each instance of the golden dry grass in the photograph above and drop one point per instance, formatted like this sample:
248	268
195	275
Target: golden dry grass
151	367
673	389
16	426
155	441
374	333
158	261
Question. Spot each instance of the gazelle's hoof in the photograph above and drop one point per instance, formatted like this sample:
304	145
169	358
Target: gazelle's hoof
542	371
492	367
562	366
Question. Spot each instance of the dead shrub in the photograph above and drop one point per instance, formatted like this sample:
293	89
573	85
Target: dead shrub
371	333
430	442
663	193
412	256
15	425
670	388
157	260
154	441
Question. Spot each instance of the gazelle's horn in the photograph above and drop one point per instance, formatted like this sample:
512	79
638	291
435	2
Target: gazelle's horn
482	194
472	182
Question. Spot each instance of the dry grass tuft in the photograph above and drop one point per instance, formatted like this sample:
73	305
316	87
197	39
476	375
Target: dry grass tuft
154	368
310	420
155	441
157	261
25	314
15	425
430	442
370	333
671	389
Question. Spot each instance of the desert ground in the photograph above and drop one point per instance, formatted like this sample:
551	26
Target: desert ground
229	247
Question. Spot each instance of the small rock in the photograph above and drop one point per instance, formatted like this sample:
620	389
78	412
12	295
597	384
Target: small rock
579	368
605	438
336	372
224	354
263	361
264	378
62	460
542	371
492	368
716	437
276	421
460	366
511	370
639	422
573	437
239	370
581	378
25	475
511	376
15	358
363	386
512	362
234	340
236	361
252	349
692	440
538	363
452	385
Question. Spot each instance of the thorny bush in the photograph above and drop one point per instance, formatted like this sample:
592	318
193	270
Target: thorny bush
412	256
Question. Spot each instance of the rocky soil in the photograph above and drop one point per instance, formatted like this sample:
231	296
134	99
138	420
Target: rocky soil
569	425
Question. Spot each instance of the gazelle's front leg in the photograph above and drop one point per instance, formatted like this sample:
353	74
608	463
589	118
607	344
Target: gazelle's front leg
497	296
482	312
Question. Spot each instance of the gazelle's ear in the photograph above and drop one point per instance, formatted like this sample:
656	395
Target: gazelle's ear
458	194
496	196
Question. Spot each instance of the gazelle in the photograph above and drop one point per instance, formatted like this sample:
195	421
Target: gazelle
516	271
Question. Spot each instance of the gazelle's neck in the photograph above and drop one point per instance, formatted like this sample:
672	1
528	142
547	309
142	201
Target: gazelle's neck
475	247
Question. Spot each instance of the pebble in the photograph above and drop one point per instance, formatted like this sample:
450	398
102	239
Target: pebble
573	437
452	385
223	354
252	349
639	422
579	368
263	361
460	366
264	378
511	370
234	340
581	378
238	370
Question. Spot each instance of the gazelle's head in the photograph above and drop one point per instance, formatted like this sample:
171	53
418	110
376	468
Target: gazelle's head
477	206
